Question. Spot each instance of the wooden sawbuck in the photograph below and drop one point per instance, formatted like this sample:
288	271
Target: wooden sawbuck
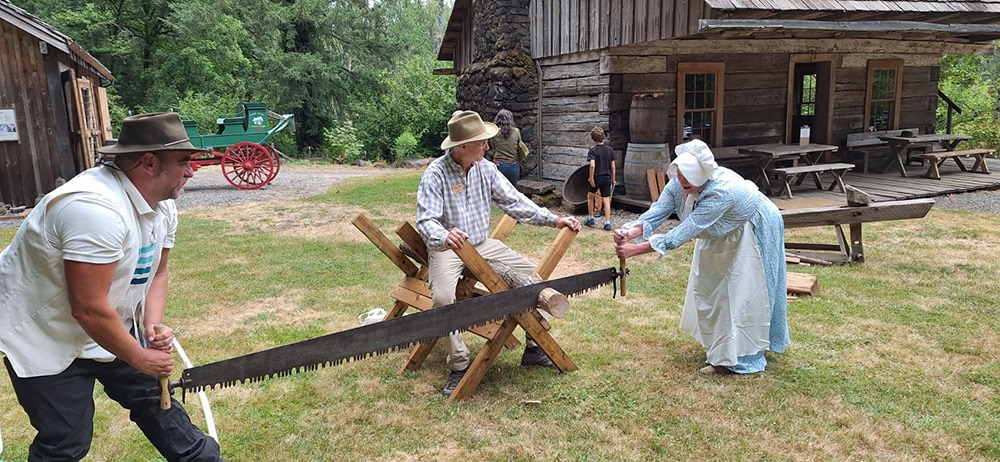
478	279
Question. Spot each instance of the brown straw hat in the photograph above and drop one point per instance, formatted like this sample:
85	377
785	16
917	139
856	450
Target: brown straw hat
466	128
159	131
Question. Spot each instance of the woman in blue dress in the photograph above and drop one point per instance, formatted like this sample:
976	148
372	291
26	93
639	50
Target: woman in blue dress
736	304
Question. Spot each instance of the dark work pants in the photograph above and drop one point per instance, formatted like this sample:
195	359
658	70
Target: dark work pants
61	408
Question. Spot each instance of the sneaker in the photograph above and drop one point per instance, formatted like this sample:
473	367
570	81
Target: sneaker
453	379
589	221
607	226
534	356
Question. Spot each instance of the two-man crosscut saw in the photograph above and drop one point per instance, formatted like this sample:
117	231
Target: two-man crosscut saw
382	337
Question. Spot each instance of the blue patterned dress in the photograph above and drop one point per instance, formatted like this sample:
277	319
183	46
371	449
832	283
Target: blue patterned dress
722	210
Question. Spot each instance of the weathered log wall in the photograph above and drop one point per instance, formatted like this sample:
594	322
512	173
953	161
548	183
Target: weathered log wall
53	88
573	26
502	74
29	166
595	88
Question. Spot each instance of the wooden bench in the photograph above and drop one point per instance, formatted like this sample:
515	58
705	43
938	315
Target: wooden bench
938	158
799	173
868	143
849	250
731	158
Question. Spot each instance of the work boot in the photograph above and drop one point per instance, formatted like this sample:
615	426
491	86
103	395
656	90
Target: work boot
534	356
453	379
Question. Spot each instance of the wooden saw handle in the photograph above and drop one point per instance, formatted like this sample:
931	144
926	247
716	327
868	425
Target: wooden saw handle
621	270
164	380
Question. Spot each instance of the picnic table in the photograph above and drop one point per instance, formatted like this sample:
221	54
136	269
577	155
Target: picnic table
766	155
901	145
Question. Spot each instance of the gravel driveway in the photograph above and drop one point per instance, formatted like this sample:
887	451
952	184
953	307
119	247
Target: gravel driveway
208	188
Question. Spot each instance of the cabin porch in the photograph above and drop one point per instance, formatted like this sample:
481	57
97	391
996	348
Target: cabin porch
880	186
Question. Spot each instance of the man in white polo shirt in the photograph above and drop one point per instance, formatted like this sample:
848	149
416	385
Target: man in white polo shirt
84	284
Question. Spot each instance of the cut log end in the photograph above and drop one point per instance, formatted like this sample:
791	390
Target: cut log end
553	302
803	284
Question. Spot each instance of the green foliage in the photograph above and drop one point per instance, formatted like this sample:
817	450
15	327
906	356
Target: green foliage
205	109
971	82
405	146
341	144
318	60
414	101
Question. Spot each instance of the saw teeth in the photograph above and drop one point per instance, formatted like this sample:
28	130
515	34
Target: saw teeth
197	377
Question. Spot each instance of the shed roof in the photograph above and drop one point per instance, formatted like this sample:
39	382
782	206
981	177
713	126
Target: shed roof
39	29
901	30
926	6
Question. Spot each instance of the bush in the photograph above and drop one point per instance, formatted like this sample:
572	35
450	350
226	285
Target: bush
406	147
341	144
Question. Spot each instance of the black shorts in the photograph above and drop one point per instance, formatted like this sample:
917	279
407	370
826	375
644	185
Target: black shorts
603	184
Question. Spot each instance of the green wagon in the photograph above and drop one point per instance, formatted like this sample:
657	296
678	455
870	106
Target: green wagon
241	146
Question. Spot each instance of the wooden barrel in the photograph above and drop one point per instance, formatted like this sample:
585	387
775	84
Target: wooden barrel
638	159
648	120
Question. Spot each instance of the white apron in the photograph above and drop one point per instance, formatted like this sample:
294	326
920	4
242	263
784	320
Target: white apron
726	307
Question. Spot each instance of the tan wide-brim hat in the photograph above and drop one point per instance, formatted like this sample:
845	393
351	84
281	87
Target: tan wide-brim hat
154	132
466	128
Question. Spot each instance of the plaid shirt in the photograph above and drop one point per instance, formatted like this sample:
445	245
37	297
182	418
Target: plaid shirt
448	199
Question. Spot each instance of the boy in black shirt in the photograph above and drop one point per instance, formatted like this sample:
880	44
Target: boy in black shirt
602	176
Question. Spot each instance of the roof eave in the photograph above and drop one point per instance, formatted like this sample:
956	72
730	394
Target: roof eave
981	34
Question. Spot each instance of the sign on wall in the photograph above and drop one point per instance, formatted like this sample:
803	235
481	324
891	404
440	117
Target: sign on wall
8	125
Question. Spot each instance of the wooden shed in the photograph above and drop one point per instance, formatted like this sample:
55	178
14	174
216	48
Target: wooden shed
53	107
732	72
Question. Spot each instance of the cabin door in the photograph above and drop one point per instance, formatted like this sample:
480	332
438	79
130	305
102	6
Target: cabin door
83	112
810	101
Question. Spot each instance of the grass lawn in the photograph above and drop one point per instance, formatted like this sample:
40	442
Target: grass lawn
895	359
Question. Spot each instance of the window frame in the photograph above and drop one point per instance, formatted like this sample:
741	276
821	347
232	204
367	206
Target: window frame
718	69
877	65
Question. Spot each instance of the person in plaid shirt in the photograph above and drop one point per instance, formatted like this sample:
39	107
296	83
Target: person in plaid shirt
453	209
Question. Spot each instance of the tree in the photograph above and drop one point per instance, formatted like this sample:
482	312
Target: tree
322	60
971	82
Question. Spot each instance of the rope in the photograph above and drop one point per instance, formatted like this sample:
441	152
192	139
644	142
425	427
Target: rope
209	419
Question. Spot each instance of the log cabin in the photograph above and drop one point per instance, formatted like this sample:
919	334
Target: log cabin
53	107
655	73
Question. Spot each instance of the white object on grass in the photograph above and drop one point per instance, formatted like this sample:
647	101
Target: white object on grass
372	316
209	419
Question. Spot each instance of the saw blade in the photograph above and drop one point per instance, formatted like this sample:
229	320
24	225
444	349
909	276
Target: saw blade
383	337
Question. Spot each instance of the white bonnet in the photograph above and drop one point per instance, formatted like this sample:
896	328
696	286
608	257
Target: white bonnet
696	161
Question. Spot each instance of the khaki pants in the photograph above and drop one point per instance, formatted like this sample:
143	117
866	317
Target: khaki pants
444	272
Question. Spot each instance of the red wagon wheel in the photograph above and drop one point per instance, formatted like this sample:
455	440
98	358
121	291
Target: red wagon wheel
248	165
274	157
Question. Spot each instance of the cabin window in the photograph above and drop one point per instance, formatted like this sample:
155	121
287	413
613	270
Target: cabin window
885	87
699	104
805	92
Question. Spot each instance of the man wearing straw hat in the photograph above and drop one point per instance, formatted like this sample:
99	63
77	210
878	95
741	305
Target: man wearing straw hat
84	284
453	209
